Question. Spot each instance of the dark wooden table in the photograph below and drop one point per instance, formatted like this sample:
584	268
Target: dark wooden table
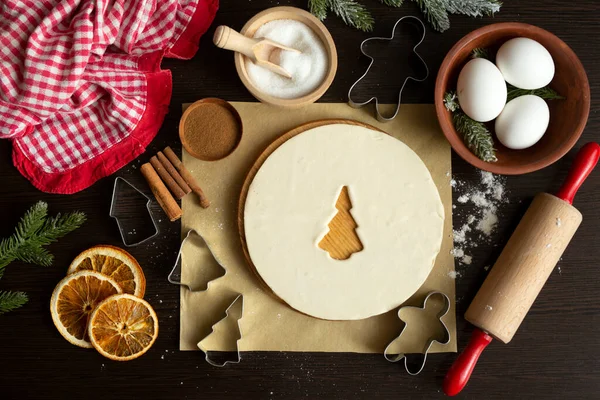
555	354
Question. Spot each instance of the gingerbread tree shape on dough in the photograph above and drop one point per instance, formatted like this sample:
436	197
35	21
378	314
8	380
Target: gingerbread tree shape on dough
341	241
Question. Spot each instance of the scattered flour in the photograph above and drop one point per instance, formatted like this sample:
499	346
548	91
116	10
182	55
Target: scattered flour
460	236
463	199
454	274
457	252
489	308
488	222
484	198
558	222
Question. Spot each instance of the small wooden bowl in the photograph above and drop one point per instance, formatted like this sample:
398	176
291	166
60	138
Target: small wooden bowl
312	22
567	117
209	134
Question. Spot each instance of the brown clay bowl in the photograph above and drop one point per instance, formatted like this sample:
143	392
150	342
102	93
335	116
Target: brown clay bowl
567	117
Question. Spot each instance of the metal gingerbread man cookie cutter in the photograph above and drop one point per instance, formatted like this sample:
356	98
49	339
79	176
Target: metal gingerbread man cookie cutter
378	114
430	341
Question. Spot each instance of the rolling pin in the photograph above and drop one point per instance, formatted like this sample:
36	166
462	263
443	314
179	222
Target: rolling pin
522	269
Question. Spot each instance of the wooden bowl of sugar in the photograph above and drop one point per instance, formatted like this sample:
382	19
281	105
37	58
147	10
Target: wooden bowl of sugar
312	71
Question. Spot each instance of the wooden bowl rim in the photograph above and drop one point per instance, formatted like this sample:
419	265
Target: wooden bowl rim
323	34
192	107
448	127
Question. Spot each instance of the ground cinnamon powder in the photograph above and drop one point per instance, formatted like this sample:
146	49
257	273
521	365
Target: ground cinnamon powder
211	132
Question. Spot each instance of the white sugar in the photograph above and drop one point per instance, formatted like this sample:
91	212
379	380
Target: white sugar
308	68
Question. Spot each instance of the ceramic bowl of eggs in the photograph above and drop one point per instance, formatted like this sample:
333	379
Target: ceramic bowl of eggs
512	98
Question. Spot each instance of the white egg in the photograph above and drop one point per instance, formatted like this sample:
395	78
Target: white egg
523	122
481	90
525	63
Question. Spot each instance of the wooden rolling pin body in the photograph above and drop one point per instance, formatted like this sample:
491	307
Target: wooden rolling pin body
525	264
522	269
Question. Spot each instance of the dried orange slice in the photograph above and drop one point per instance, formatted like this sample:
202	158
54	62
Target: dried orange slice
114	262
123	327
74	299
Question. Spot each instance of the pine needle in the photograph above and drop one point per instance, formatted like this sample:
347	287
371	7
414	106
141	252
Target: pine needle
392	3
34	231
545	93
480	52
476	136
352	13
451	101
473	8
435	12
10	301
318	8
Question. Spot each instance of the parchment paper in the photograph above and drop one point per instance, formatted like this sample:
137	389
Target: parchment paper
267	324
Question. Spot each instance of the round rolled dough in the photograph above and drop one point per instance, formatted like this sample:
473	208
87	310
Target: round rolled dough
395	204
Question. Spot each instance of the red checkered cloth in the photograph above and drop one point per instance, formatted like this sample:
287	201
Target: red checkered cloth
81	88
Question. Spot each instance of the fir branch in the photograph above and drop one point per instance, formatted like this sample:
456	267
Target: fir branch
435	12
473	8
34	231
59	226
352	13
476	136
480	52
318	8
392	3
545	93
451	101
10	301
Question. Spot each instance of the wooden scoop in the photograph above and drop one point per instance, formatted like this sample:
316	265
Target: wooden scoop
263	52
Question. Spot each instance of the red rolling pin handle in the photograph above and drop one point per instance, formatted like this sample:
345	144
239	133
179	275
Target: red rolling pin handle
458	375
584	163
460	372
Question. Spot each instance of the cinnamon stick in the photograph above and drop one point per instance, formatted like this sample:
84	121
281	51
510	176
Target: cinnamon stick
161	193
173	172
204	202
167	178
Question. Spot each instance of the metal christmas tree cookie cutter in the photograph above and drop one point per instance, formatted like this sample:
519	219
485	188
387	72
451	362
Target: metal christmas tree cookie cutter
380	117
112	214
430	341
236	306
174	276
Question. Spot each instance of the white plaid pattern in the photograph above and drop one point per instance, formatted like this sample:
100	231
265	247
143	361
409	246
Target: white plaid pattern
71	86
